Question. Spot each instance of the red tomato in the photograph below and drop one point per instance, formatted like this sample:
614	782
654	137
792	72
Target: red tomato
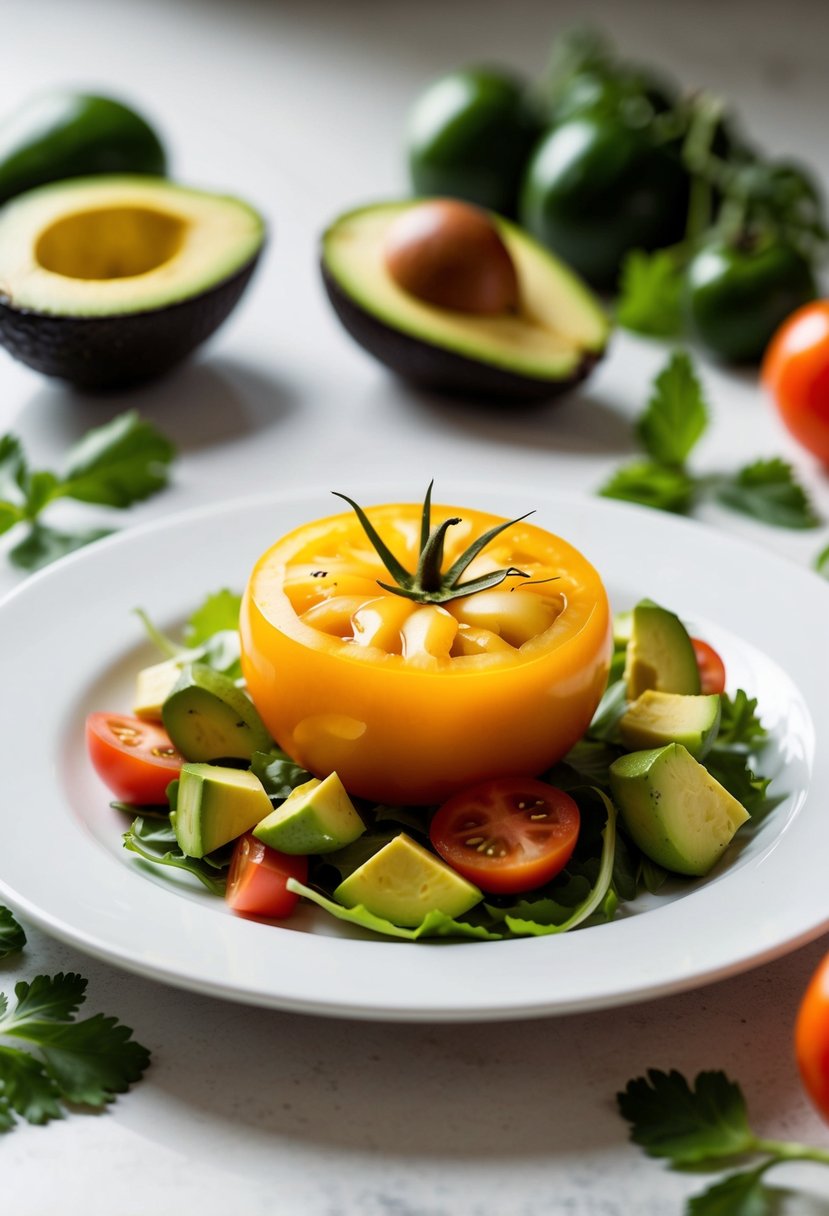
711	667
135	759
811	1038
256	884
507	835
796	373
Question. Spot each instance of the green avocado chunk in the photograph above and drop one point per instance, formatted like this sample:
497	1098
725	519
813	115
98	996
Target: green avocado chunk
215	805
660	653
403	882
656	718
676	812
318	817
208	718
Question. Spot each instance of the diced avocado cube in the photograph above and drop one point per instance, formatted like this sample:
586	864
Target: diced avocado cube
215	805
675	811
660	653
317	817
153	686
209	718
657	718
403	882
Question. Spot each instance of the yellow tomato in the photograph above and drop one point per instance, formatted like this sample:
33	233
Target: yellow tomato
410	702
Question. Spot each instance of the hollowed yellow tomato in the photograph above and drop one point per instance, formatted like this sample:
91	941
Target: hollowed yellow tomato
410	702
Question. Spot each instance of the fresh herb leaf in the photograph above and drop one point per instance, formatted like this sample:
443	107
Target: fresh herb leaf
650	292
739	723
86	1062
590	759
651	876
156	843
676	415
434	924
10	514
652	485
12	937
822	562
687	1124
117	464
43	545
211	635
732	770
608	712
219	613
767	490
741	1194
12	465
279	774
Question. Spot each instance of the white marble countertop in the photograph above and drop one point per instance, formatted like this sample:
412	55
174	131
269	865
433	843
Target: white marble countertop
300	106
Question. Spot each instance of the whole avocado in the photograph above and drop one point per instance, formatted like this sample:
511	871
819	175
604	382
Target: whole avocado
596	188
469	136
68	134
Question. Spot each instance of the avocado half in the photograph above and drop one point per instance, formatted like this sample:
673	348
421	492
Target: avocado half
110	281
556	337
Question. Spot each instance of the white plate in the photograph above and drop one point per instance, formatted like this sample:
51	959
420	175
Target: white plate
72	645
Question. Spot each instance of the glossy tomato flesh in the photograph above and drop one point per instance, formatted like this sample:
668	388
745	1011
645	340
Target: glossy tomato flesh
257	881
507	835
796	373
135	759
812	1039
711	667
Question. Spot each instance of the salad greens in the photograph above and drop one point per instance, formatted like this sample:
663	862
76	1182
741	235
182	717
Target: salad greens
706	1125
114	465
12	937
211	635
674	420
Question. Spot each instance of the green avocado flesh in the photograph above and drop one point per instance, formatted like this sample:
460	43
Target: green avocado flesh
675	811
660	653
215	805
657	718
558	329
318	817
208	718
403	882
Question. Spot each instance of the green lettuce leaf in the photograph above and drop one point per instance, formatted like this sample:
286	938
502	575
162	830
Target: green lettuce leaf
434	924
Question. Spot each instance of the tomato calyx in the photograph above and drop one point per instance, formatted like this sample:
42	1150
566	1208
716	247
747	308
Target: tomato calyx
428	584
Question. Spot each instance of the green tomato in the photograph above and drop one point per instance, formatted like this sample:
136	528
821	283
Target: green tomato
469	137
596	188
736	298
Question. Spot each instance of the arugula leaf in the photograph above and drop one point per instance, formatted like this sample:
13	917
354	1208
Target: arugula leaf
650	291
87	1062
43	545
767	490
434	924
12	937
279	774
117	464
211	635
156	843
652	485
739	723
219	613
689	1125
822	562
741	1194
676	415
589	759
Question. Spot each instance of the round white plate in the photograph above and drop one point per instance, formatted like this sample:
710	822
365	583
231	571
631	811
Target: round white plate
72	644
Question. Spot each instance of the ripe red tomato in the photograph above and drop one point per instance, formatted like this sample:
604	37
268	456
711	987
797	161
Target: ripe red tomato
135	759
796	373
256	883
711	667
507	835
811	1037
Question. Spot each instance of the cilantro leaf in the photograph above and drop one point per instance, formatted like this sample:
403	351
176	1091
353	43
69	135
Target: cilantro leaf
26	1087
822	562
676	415
688	1125
155	842
742	1194
10	514
218	613
652	485
768	490
53	997
117	464
43	545
650	291
12	937
739	722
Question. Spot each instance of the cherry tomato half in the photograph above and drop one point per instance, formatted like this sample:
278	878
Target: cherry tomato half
811	1038
711	667
796	373
134	758
507	835
256	883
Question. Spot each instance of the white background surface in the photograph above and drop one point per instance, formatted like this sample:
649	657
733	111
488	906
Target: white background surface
300	107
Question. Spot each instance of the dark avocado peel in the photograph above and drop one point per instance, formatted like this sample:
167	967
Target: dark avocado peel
110	281
536	350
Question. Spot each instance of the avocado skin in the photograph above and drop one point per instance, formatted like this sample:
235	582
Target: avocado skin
432	367
68	134
102	353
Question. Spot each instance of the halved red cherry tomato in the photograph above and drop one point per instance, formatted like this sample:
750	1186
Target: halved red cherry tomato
796	373
811	1039
135	759
711	667
507	835
257	881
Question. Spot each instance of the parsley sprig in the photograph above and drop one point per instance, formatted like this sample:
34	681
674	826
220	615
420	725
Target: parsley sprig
707	1124
114	465
86	1062
674	420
